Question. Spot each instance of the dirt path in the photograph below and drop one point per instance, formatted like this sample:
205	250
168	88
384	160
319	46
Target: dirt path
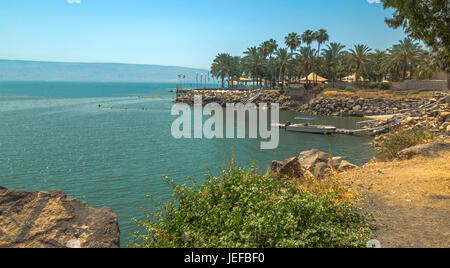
410	200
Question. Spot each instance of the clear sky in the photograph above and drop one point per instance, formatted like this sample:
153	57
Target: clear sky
186	33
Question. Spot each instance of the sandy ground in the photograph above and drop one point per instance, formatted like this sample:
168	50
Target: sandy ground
409	200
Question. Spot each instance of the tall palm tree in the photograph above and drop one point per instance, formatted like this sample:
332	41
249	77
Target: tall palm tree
405	53
293	41
272	46
308	37
321	36
264	49
376	69
306	58
331	56
219	67
359	56
254	62
282	57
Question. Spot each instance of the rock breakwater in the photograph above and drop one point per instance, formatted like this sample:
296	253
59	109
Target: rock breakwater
223	97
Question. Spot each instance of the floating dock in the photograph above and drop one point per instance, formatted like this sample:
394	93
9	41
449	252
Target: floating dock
341	131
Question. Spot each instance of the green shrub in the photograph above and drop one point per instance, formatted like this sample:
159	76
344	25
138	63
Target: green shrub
385	86
244	209
389	147
374	85
350	89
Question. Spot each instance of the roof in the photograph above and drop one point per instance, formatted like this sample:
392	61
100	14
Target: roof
314	77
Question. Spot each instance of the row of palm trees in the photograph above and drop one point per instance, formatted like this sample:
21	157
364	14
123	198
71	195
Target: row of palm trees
271	65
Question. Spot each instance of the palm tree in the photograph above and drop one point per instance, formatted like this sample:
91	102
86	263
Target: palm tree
359	56
254	62
376	69
264	49
405	53
283	57
293	41
272	46
331	56
219	67
306	58
225	65
321	36
308	37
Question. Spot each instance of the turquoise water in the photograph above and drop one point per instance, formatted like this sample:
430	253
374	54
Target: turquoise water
54	136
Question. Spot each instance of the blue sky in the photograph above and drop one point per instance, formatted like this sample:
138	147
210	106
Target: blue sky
177	32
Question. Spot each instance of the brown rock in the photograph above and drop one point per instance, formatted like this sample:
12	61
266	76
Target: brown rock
309	158
54	220
429	149
345	165
290	168
321	169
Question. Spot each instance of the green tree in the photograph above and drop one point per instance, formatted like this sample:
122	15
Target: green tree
359	56
308	37
331	56
282	57
254	63
321	36
375	68
225	65
426	20
405	54
292	41
306	59
219	67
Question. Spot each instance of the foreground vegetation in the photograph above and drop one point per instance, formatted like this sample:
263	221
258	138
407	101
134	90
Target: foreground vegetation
243	208
394	143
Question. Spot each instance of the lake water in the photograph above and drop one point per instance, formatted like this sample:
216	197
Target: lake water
54	136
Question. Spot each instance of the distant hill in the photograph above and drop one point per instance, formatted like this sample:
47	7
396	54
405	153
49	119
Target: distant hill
92	72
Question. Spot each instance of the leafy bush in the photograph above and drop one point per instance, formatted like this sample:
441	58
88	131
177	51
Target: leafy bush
244	209
389	147
374	85
385	86
350	89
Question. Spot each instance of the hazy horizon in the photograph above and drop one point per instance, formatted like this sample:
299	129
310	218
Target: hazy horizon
50	71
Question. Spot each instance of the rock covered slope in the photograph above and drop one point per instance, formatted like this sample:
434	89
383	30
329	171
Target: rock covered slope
54	220
433	116
224	97
357	106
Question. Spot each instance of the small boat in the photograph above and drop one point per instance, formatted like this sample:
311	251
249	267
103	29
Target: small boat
306	128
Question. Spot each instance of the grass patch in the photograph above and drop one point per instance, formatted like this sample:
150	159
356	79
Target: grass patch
244	209
394	143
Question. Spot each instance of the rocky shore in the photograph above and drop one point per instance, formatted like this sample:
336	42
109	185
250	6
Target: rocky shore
54	220
432	116
356	106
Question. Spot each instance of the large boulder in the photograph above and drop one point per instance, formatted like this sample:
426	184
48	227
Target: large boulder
290	168
429	149
308	159
54	220
321	164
